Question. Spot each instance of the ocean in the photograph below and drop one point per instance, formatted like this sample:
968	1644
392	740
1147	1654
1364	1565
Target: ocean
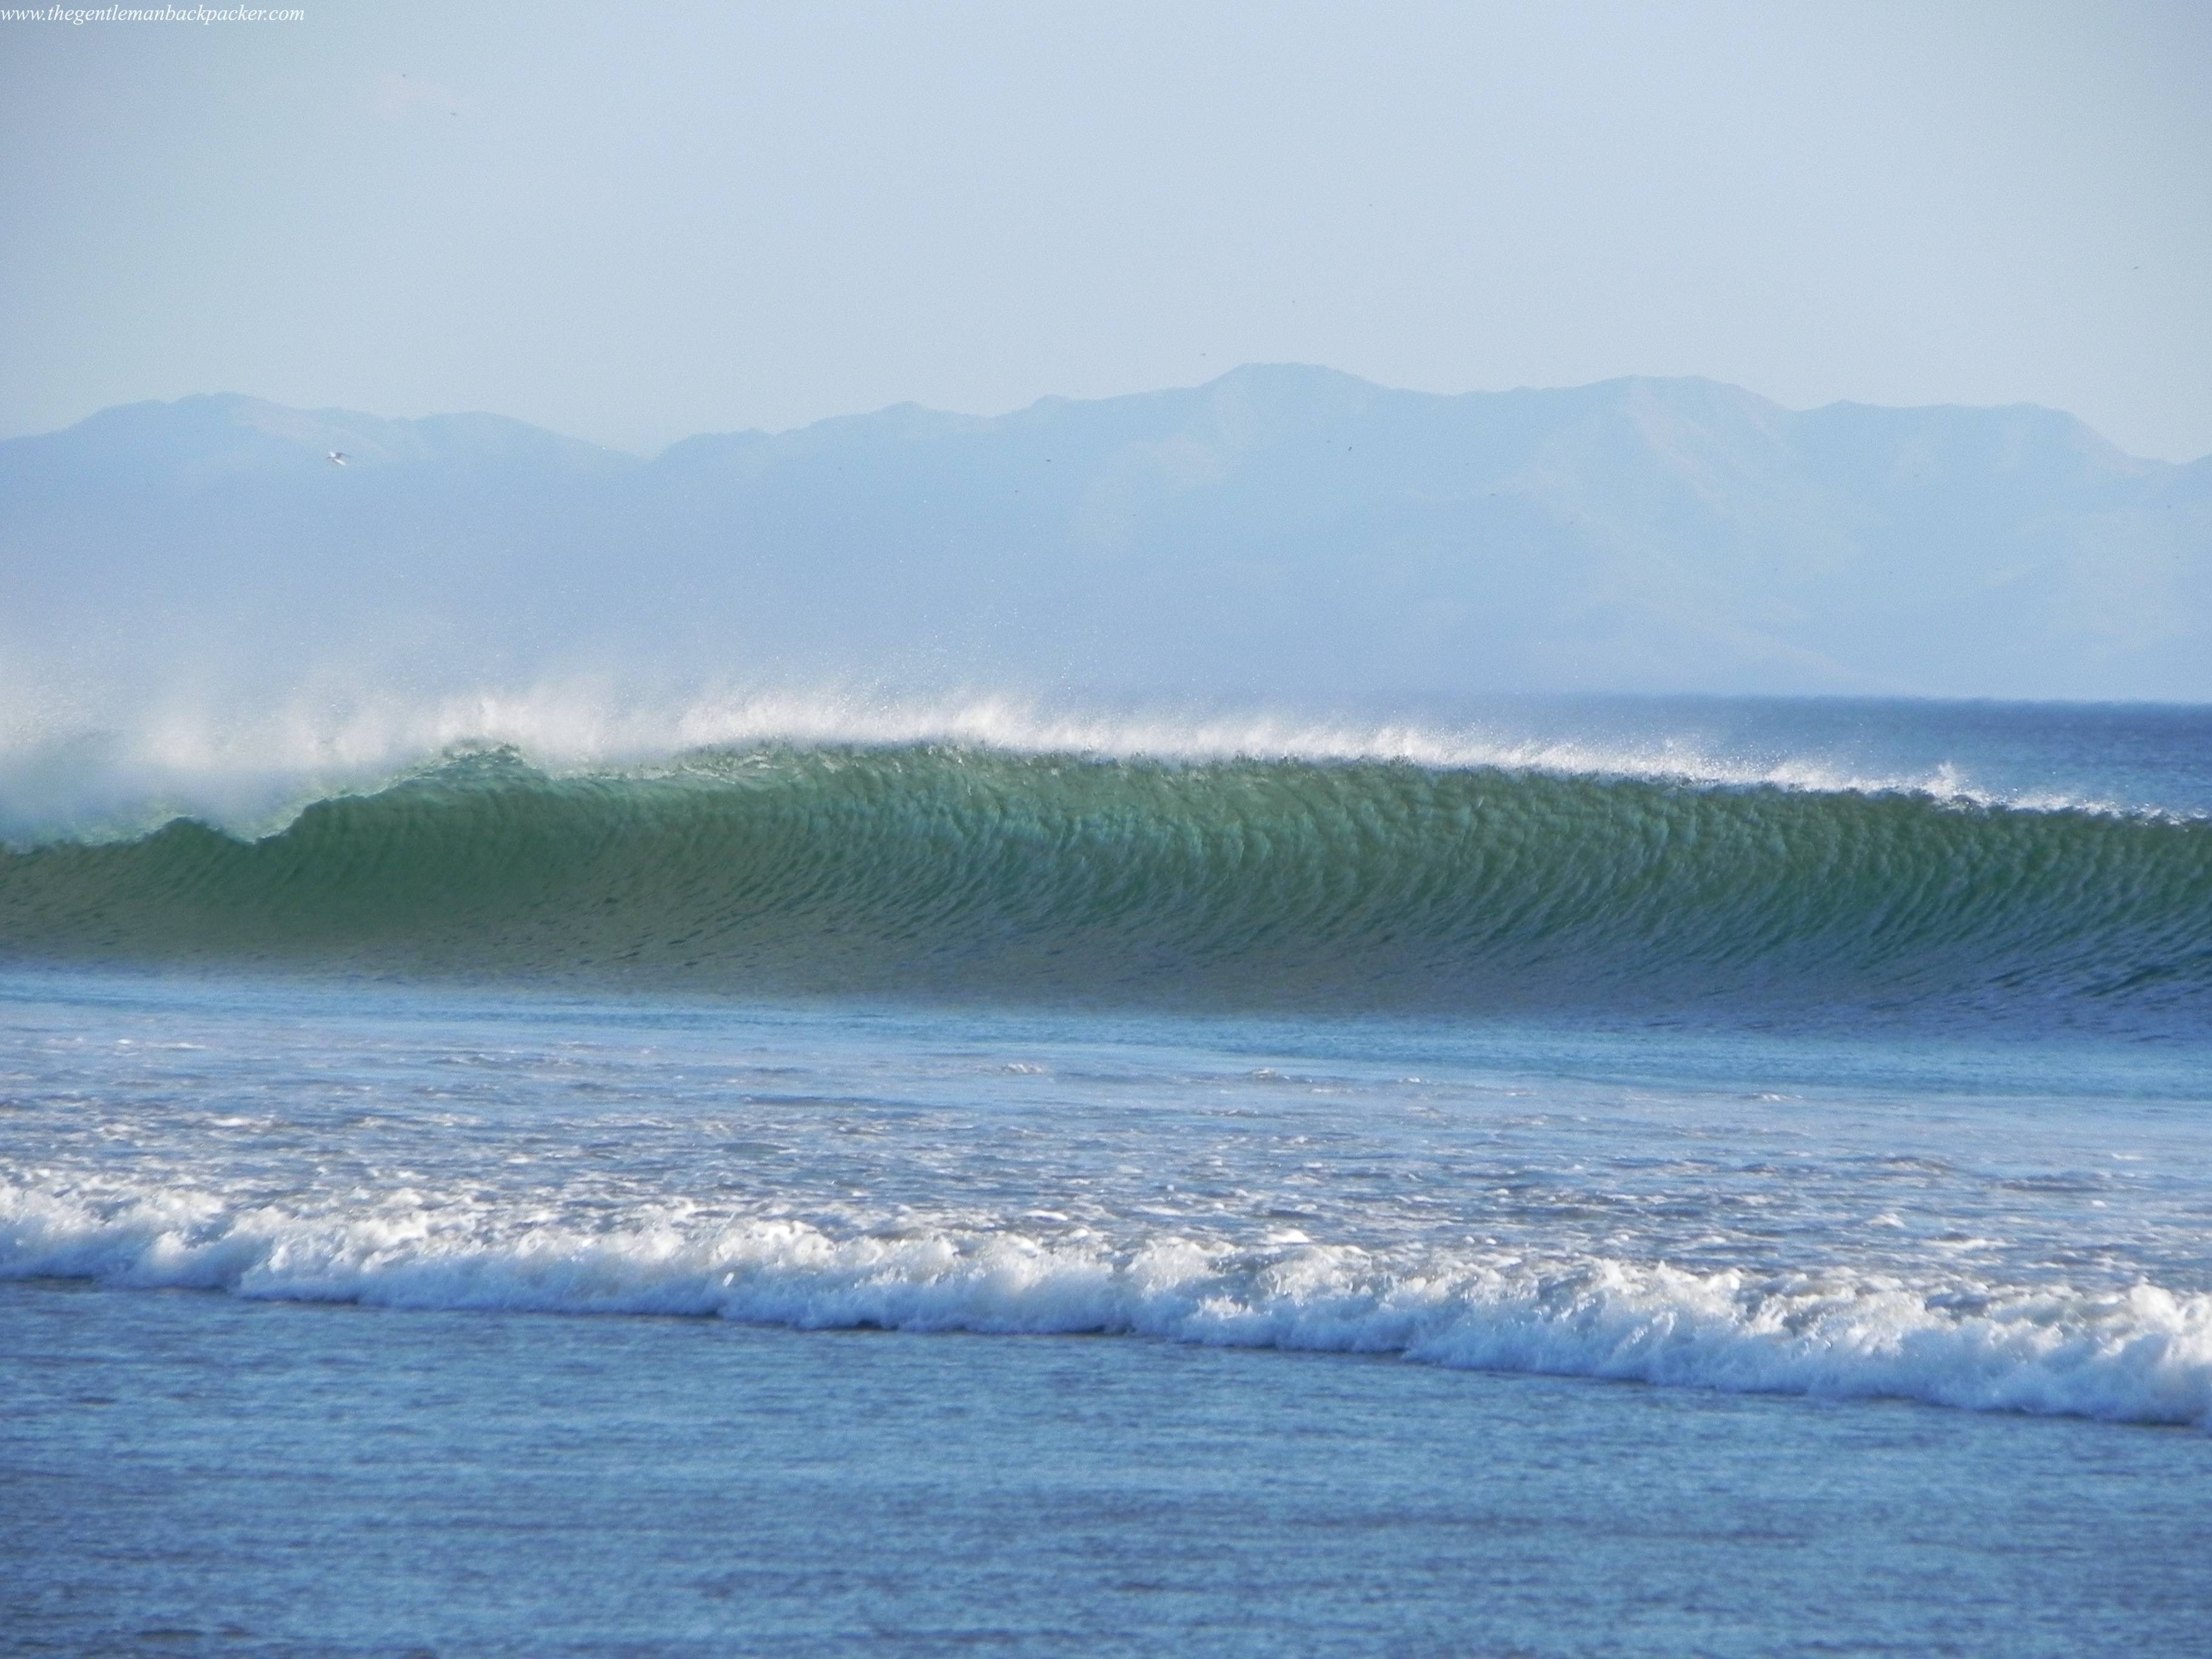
1635	1177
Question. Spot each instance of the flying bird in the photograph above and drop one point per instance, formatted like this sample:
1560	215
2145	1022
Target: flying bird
339	457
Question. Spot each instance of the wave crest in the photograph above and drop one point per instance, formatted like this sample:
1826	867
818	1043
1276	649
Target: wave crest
250	774
945	871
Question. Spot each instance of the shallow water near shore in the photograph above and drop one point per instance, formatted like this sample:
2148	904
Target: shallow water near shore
336	1321
1975	1228
199	1474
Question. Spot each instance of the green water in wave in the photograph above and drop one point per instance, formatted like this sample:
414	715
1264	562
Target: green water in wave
962	873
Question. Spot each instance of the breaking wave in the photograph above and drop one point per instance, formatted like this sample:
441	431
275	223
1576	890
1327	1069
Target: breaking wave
2143	1354
934	870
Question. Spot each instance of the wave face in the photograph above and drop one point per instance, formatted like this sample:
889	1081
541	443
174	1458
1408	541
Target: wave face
937	871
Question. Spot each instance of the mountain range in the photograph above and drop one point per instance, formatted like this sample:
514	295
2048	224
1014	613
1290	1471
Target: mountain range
1281	531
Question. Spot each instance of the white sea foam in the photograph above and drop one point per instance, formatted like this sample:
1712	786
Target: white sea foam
2143	1354
251	773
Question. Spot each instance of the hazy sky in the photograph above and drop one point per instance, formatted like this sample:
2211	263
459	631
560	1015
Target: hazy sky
630	224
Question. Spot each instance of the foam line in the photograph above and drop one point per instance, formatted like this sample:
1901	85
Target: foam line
2141	1355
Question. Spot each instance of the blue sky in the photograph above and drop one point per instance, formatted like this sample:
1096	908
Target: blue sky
634	223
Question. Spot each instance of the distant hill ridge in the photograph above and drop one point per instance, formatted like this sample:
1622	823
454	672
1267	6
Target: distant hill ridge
1279	531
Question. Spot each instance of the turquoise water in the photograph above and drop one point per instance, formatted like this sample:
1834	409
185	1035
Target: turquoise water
956	1195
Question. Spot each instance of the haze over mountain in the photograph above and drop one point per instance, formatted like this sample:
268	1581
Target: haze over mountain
1280	532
